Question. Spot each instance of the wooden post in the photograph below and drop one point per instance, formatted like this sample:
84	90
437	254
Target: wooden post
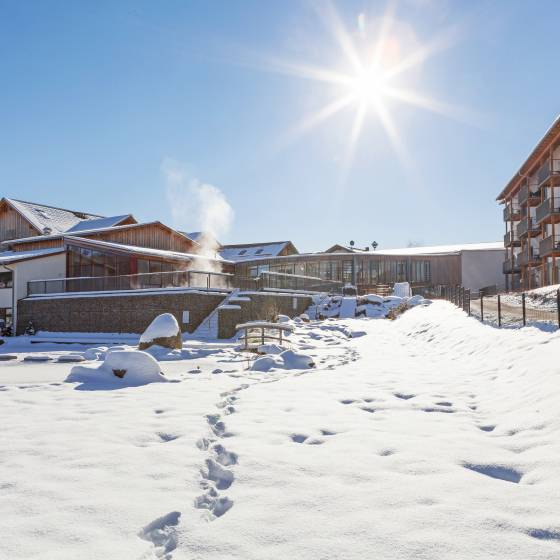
558	306
499	311
523	305
482	307
262	335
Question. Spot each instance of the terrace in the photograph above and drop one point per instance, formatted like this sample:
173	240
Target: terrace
194	279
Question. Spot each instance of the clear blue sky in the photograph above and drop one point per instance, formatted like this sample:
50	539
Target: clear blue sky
94	97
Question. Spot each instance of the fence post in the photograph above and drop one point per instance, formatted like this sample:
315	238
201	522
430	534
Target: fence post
469	302
482	308
523	305
558	306
499	311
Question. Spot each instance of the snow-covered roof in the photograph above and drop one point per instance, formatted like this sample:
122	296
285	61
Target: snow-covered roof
406	252
443	249
57	220
8	257
249	251
85	232
98	223
140	250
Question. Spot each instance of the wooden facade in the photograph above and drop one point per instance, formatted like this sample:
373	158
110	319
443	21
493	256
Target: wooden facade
532	217
13	225
154	235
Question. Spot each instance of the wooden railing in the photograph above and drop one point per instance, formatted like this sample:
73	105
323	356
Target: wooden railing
547	208
549	245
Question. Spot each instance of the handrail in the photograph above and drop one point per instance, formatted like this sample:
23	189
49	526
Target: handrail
139	281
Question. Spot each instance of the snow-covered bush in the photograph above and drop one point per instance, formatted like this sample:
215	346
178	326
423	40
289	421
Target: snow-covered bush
286	360
162	331
121	368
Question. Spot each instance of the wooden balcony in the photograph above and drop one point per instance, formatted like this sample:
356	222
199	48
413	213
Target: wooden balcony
550	246
528	227
527	196
511	267
531	259
511	239
549	173
548	212
512	213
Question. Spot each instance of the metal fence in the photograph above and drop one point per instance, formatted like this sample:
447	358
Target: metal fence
508	309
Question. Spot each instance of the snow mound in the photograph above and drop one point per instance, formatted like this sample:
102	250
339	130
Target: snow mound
288	359
163	331
97	353
121	368
270	349
295	360
265	363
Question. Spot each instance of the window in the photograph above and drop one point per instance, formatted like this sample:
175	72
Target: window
6	280
374	271
312	269
347	271
242	252
258	251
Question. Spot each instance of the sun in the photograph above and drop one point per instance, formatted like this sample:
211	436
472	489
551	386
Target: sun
376	68
368	86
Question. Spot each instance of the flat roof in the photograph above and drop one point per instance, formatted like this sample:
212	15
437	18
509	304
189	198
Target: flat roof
8	257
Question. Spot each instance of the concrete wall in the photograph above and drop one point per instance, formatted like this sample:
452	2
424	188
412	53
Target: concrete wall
262	307
110	313
482	268
44	268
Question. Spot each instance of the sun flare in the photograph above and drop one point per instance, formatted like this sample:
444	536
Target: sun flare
378	65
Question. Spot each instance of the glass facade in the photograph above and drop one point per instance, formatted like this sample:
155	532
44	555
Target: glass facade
366	271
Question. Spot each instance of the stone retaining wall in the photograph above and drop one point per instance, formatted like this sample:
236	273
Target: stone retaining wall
114	313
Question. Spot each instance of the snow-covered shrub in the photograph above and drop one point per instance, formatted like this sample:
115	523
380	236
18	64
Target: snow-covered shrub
295	360
122	368
162	331
265	363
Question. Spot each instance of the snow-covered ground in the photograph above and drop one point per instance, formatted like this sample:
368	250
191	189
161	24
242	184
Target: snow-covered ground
428	437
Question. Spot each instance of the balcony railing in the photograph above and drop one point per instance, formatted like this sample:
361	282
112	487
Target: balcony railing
549	245
145	281
199	279
549	169
510	238
548	209
527	226
527	195
512	212
531	259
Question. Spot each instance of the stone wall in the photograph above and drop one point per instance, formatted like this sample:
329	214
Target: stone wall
261	307
120	313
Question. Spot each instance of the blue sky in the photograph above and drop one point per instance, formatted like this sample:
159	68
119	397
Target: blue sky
96	97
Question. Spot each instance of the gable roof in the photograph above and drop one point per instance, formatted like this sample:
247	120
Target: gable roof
94	231
548	138
42	217
133	249
250	251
